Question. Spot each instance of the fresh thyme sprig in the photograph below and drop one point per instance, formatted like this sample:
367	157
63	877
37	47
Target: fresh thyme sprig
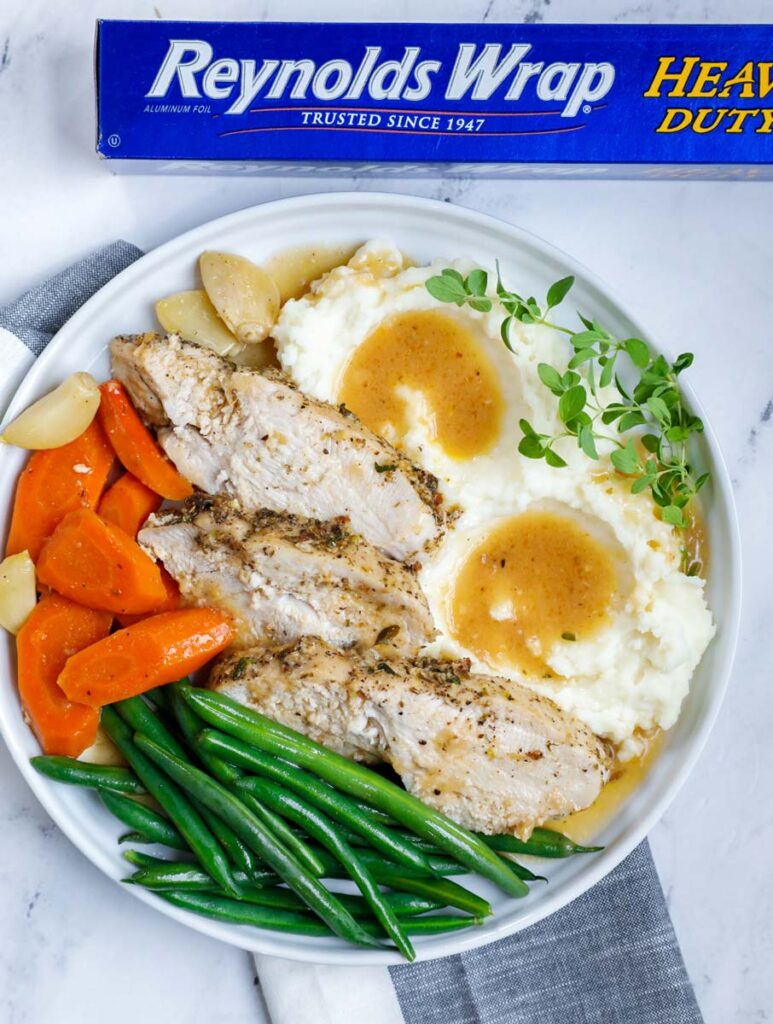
653	407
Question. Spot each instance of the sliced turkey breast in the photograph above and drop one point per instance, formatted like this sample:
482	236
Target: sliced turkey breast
251	434
490	754
283	576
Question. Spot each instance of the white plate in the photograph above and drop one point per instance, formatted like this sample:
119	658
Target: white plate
425	230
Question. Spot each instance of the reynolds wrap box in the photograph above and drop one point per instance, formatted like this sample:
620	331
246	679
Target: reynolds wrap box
522	100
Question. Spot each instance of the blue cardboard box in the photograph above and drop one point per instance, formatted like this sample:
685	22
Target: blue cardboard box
502	100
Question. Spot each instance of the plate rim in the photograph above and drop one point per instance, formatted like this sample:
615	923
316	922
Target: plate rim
263	941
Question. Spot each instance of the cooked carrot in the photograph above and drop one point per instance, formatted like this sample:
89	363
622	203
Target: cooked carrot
53	483
151	653
134	444
56	629
170	604
98	565
128	503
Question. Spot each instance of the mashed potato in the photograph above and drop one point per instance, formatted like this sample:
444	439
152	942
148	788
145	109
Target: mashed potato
438	381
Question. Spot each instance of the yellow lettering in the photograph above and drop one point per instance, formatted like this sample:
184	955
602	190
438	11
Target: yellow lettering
767	121
701	125
765	86
667	124
679	78
743	79
738	117
707	76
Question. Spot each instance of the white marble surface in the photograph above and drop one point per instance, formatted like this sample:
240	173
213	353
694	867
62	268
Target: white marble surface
693	263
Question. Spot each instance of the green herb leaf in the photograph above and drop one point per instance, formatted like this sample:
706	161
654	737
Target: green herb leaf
446	289
572	402
557	292
504	330
587	442
551	378
477	282
641	484
554	459
607	371
630	420
673	514
659	409
531	446
626	460
638	351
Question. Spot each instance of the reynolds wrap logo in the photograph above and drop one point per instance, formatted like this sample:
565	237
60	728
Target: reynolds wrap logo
476	75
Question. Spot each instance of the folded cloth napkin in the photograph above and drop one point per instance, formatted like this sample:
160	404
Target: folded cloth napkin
610	957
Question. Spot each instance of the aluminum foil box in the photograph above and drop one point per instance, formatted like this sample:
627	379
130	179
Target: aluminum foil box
501	100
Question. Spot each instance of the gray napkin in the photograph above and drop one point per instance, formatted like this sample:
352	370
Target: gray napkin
610	957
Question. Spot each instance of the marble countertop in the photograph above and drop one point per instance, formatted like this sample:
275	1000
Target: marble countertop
691	260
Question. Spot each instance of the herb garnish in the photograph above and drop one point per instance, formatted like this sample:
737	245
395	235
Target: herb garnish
386	467
653	405
241	667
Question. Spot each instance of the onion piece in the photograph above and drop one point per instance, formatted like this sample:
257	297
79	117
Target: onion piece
257	356
194	318
244	295
58	417
17	591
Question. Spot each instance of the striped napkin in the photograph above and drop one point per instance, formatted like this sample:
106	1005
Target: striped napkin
610	957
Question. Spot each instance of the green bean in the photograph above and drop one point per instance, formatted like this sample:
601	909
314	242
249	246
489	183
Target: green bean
138	715
321	828
375	813
81	773
260	839
172	875
190	726
138	837
140	859
300	924
524	873
355	780
343	810
543	842
439	866
172	800
193	879
151	825
451	894
159	697
240	855
433	852
295	842
228	775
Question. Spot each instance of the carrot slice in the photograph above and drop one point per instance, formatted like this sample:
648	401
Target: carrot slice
53	483
128	503
151	653
170	604
134	444
98	565
56	629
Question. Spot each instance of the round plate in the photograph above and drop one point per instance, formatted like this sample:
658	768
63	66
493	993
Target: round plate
425	230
